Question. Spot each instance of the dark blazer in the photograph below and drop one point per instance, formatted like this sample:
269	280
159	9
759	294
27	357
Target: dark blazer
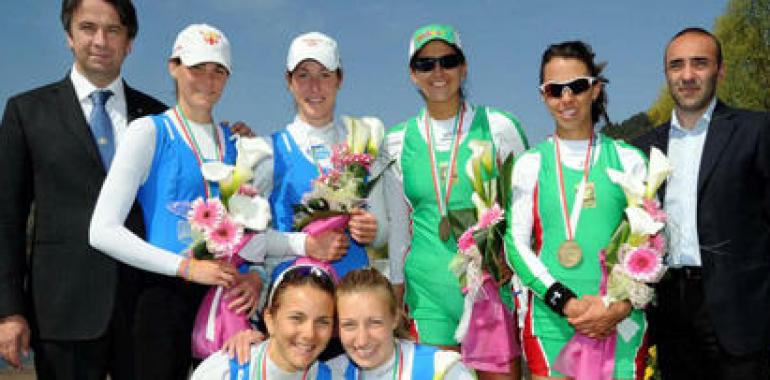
733	224
67	290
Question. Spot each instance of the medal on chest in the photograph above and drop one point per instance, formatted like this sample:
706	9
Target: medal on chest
444	173
569	253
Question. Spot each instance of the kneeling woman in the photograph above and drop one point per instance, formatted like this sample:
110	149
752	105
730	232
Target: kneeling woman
370	323
300	320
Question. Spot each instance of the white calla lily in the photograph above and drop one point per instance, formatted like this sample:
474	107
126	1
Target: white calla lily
641	222
358	134
250	151
216	171
252	212
473	170
376	133
482	150
659	169
632	186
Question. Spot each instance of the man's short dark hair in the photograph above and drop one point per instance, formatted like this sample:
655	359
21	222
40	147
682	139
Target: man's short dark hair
701	31
124	8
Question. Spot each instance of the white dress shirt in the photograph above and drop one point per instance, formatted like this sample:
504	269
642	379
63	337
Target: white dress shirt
685	149
116	104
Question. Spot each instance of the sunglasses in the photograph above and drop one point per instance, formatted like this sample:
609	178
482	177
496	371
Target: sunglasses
427	64
301	271
576	86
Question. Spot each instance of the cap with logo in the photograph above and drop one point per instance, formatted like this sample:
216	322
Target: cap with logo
200	43
432	32
316	46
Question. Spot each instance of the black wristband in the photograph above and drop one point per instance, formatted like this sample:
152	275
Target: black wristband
556	297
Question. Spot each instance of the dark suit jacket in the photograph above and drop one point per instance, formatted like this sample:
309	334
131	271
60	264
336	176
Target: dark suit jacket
48	156
733	224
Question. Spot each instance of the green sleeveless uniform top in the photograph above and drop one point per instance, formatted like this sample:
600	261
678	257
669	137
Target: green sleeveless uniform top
431	286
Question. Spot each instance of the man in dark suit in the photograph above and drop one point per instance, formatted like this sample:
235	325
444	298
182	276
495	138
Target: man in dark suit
76	302
712	319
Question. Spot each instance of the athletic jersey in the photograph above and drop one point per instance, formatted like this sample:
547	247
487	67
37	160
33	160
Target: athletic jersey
416	252
415	361
219	366
175	176
293	174
536	229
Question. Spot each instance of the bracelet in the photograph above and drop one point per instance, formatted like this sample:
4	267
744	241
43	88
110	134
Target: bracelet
188	272
556	297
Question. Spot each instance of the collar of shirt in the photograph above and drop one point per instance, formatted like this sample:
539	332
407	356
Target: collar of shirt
703	121
443	129
306	135
384	370
573	152
116	104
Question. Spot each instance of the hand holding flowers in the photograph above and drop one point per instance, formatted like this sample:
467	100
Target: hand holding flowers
220	227
632	260
337	194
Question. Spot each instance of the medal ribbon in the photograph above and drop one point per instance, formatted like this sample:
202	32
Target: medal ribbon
261	359
456	133
570	223
399	365
193	143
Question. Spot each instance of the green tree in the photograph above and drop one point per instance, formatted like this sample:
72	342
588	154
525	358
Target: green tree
744	31
630	128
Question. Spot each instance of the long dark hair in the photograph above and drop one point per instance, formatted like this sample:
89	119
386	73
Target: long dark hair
581	51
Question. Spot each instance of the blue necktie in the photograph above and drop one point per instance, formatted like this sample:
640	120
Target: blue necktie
101	126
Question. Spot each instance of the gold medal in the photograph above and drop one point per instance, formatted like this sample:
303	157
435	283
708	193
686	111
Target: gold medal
444	228
569	254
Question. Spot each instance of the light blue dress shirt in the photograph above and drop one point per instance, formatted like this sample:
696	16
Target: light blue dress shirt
685	148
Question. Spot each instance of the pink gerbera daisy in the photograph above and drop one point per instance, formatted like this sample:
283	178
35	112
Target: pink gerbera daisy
204	215
643	264
221	239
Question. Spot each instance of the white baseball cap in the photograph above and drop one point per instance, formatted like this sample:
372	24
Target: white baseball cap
199	43
316	46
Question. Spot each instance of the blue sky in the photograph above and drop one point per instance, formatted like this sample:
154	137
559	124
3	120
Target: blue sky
503	40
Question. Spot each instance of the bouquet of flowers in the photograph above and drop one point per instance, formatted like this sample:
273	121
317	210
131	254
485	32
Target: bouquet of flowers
632	261
486	327
634	256
336	193
220	227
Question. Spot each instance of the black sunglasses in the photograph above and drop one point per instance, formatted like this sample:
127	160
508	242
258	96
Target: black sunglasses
426	64
576	86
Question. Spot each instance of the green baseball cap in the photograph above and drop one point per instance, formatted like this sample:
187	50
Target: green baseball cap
432	32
